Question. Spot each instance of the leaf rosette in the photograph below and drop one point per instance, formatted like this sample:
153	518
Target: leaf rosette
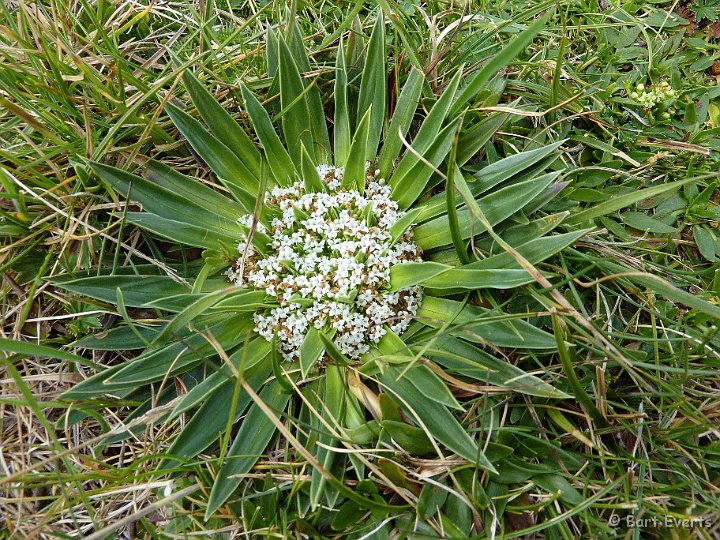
336	237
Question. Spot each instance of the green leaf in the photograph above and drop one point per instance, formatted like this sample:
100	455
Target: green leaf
661	287
155	365
705	242
554	483
318	123
310	350
403	114
163	202
179	231
223	125
310	176
332	350
428	133
462	358
295	115
473	139
482	325
33	349
354	177
643	222
441	276
496	207
373	88
281	165
402	225
212	417
534	251
121	338
408	188
137	290
331	409
507	169
243	301
341	122
622	201
191	190
411	438
432	498
223	161
427	383
254	352
441	425
250	443
191	312
412	273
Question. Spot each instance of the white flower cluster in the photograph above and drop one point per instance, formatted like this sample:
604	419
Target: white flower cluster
328	265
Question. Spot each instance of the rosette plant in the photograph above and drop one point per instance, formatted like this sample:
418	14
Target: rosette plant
349	292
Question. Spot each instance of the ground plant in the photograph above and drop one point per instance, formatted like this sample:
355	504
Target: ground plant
359	270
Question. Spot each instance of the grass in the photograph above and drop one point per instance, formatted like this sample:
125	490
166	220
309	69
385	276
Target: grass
630	305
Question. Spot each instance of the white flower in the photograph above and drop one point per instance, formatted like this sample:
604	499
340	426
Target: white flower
339	255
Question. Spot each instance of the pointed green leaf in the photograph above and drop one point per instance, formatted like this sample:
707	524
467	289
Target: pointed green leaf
181	319
534	251
410	186
403	114
310	350
412	273
295	115
191	190
178	231
250	443
462	358
341	123
310	176
331	409
281	164
373	88
428	384
441	425
223	161
622	201
33	349
482	325
223	125
252	359
212	417
496	207
163	201
354	177
121	338
406	275
178	357
318	123
138	290
427	135
516	168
